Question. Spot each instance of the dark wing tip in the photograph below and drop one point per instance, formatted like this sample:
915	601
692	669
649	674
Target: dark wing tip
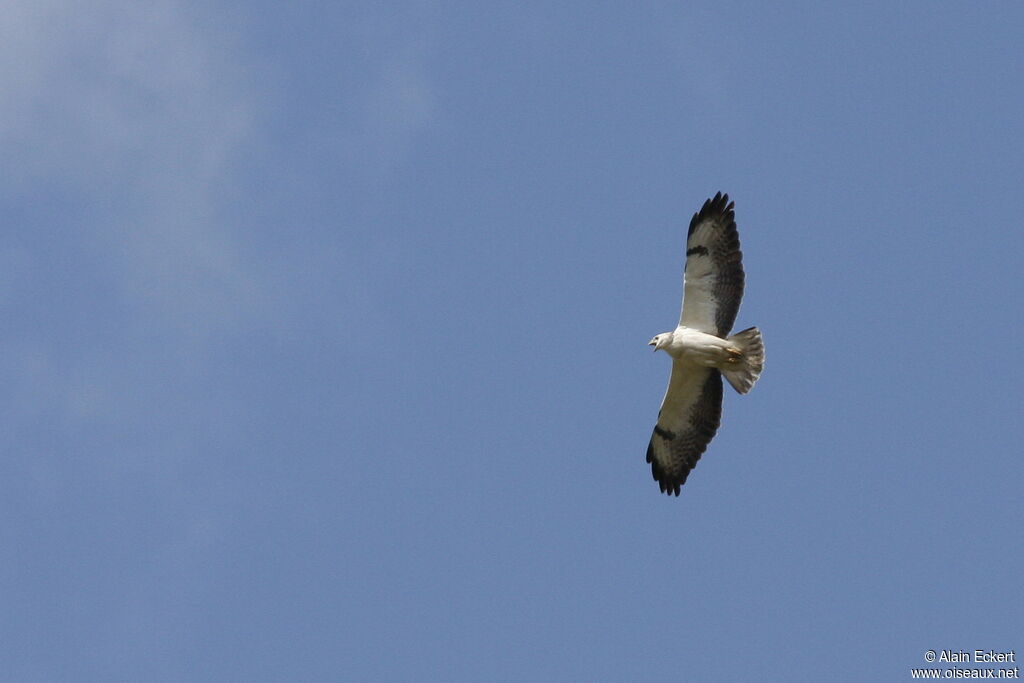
668	482
717	206
670	488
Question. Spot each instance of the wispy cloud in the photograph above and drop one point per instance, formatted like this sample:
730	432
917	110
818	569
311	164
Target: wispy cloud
399	105
133	109
121	124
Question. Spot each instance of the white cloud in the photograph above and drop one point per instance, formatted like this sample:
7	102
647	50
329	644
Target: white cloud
133	114
134	108
399	105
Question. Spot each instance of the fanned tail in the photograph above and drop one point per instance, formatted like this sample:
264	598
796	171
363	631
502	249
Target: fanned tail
748	366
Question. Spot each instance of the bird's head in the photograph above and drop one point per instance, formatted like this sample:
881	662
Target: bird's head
660	341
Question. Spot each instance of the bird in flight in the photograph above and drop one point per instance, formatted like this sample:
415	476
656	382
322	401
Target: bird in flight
701	348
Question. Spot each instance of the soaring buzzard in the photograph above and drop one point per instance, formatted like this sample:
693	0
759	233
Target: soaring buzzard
701	348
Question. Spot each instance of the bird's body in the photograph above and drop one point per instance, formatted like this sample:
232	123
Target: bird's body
692	346
701	348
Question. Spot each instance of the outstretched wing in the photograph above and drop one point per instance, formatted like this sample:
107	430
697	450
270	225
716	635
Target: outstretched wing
713	279
689	417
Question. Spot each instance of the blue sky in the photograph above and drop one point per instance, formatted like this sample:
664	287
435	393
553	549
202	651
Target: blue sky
325	346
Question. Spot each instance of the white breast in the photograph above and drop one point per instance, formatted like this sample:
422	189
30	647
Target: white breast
697	347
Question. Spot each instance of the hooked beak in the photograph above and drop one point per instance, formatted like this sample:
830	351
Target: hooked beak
654	344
